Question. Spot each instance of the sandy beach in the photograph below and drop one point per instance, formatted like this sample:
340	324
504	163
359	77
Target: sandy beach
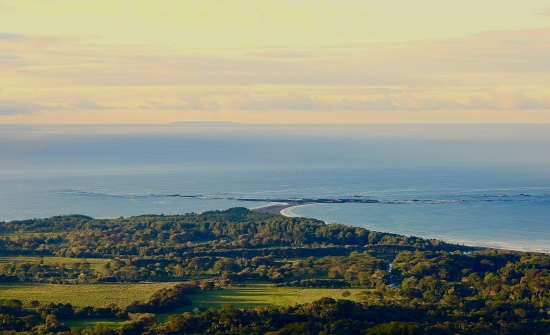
279	208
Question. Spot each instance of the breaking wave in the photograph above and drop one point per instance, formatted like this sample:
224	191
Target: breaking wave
520	197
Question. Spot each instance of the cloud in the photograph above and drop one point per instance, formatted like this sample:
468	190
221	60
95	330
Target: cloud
482	73
4	6
335	99
16	107
276	54
412	100
89	105
189	103
68	61
10	36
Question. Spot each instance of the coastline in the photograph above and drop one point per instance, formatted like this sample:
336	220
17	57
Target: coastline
272	208
285	209
289	213
280	208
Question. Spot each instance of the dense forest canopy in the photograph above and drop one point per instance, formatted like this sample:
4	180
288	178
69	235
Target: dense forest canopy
411	285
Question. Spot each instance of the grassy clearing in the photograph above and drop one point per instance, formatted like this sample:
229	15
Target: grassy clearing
94	262
251	296
81	295
248	296
268	295
111	323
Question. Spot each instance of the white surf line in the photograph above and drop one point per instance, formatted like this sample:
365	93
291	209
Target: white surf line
288	212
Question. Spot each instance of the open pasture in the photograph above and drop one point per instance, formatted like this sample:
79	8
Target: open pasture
268	295
81	295
254	295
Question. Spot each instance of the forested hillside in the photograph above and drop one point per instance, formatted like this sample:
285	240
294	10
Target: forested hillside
407	285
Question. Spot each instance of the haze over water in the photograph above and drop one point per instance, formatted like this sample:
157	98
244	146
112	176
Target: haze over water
486	185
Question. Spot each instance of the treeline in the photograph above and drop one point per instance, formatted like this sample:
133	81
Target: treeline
518	284
80	272
168	299
412	285
328	316
325	316
181	235
238	243
43	318
363	269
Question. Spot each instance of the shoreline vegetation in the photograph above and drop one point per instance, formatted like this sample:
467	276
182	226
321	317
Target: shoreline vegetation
285	209
241	271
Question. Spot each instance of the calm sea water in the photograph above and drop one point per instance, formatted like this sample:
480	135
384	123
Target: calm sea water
490	191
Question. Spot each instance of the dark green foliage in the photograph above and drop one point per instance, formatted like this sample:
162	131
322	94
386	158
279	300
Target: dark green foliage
187	235
245	244
411	285
167	299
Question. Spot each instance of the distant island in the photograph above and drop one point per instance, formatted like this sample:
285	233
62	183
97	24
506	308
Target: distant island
239	271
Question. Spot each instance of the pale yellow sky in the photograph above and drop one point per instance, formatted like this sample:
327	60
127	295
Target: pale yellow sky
287	61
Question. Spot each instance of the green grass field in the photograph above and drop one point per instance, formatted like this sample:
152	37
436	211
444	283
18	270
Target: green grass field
111	323
268	295
94	262
248	296
81	295
254	295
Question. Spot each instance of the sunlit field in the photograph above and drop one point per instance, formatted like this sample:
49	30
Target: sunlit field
99	295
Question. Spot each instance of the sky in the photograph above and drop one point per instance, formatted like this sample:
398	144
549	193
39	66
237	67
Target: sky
283	61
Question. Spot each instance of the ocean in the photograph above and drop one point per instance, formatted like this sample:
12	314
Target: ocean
485	185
